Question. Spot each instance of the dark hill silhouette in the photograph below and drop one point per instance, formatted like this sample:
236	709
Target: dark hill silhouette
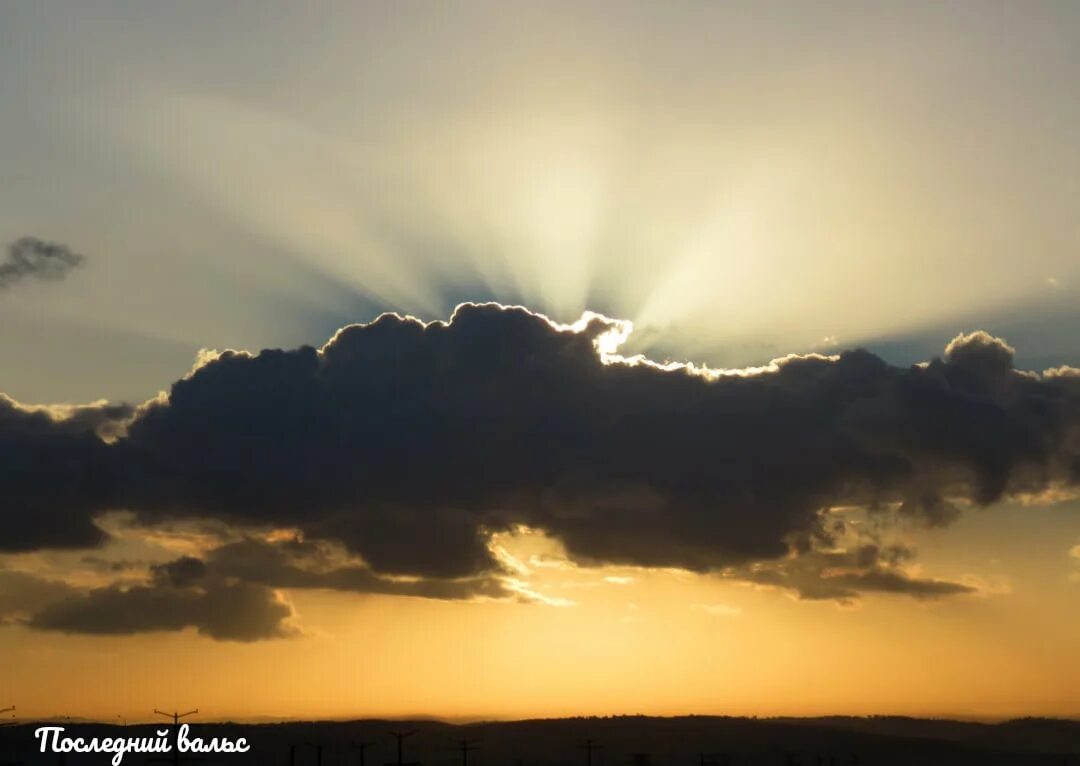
622	740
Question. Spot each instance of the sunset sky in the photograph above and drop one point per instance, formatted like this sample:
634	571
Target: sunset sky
728	359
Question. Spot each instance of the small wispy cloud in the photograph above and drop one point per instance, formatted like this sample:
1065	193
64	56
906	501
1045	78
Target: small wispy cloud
33	258
524	591
509	560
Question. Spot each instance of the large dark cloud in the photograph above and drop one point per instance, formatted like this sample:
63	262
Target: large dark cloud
33	258
410	443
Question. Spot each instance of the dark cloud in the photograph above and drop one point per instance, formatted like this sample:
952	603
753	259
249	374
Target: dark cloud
180	594
21	594
843	575
298	564
228	596
56	472
409	444
219	610
105	566
32	258
181	573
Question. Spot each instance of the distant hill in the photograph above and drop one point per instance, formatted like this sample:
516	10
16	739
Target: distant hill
619	741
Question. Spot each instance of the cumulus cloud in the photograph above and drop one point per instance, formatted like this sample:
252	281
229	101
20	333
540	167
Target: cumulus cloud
56	473
180	594
1064	371
220	610
410	444
33	258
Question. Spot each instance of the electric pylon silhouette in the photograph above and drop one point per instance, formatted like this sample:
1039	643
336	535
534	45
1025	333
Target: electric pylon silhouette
362	747
466	746
400	736
175	715
176	758
589	746
292	752
12	752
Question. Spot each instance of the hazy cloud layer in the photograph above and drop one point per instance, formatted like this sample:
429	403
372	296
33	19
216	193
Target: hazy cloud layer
21	594
32	258
408	444
844	575
230	595
301	564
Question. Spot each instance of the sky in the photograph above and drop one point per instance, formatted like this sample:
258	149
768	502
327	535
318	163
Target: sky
623	357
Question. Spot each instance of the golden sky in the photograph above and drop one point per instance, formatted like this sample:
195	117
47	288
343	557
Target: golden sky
615	640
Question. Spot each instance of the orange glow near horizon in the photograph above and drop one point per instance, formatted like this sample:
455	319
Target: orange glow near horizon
626	641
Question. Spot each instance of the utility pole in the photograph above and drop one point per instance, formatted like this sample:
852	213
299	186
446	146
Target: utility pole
400	736
362	747
6	745
176	760
589	746
176	716
465	747
317	748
